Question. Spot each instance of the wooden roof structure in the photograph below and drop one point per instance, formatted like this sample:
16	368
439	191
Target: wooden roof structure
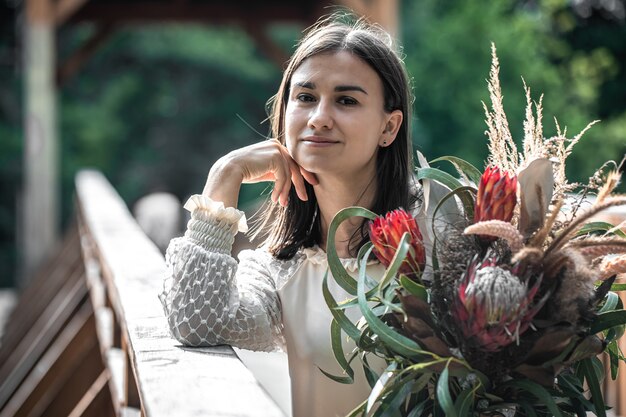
38	230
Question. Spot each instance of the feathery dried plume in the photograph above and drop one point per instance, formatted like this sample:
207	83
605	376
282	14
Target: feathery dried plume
560	147
612	266
502	149
612	181
573	227
595	247
533	129
500	229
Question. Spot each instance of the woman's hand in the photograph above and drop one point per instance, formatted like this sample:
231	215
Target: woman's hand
263	161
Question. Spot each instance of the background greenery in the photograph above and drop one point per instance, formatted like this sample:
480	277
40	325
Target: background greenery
157	105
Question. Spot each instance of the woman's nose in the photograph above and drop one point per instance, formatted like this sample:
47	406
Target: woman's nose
321	116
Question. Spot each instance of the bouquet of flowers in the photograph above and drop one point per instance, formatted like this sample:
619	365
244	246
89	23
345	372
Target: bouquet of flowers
499	295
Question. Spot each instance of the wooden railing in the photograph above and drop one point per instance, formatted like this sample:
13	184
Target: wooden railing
91	324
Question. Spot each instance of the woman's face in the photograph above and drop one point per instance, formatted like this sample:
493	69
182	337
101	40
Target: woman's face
334	119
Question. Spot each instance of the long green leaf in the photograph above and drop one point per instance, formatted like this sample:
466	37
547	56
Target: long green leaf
413	287
462	166
339	272
391	271
593	227
439	176
610	302
379	387
538	391
344	322
466	199
337	347
443	394
464	401
607	320
587	368
394	340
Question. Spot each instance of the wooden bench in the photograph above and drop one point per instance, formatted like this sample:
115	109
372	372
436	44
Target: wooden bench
89	336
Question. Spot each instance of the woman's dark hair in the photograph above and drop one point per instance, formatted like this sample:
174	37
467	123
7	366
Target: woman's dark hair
298	224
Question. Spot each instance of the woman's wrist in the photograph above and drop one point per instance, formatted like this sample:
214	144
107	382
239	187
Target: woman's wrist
224	182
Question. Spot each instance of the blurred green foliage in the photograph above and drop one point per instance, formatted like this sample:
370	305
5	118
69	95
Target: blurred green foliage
157	105
447	47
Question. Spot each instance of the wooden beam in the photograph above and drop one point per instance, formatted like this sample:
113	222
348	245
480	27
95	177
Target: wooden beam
39	228
64	9
74	63
206	12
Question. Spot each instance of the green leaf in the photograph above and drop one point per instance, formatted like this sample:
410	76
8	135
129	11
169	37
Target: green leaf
613	351
337	347
413	287
462	166
529	410
610	302
398	258
370	375
464	401
538	391
587	368
381	383
594	227
339	272
443	394
439	176
607	320
618	287
394	340
344	322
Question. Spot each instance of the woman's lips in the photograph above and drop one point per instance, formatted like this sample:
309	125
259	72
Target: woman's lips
318	141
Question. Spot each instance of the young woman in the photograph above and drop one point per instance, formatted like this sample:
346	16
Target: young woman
340	127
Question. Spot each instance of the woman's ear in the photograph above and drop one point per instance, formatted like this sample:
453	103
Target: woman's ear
394	121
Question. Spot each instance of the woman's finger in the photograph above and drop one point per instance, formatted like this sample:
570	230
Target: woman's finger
310	177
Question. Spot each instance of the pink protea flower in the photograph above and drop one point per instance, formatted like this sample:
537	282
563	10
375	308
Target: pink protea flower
496	196
494	306
386	232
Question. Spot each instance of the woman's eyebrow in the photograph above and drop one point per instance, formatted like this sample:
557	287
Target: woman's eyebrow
342	88
305	84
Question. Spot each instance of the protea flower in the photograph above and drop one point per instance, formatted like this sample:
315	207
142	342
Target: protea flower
494	306
386	232
496	196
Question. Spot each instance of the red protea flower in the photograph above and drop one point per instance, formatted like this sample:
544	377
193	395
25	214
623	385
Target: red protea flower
386	232
494	306
496	196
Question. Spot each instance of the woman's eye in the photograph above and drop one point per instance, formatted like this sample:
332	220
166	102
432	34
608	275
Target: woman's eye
348	101
305	98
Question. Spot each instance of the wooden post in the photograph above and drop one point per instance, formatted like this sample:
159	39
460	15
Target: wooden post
39	203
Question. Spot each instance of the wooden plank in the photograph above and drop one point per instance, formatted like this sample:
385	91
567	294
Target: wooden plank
68	355
39	337
97	400
44	287
133	269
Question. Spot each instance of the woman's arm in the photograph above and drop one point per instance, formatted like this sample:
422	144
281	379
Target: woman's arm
208	298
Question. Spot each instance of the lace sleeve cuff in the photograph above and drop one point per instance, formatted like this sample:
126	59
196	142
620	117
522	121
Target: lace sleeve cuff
217	211
212	226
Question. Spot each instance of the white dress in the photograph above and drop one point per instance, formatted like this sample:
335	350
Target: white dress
260	303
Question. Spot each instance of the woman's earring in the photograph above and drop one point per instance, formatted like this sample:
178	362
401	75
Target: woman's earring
384	143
